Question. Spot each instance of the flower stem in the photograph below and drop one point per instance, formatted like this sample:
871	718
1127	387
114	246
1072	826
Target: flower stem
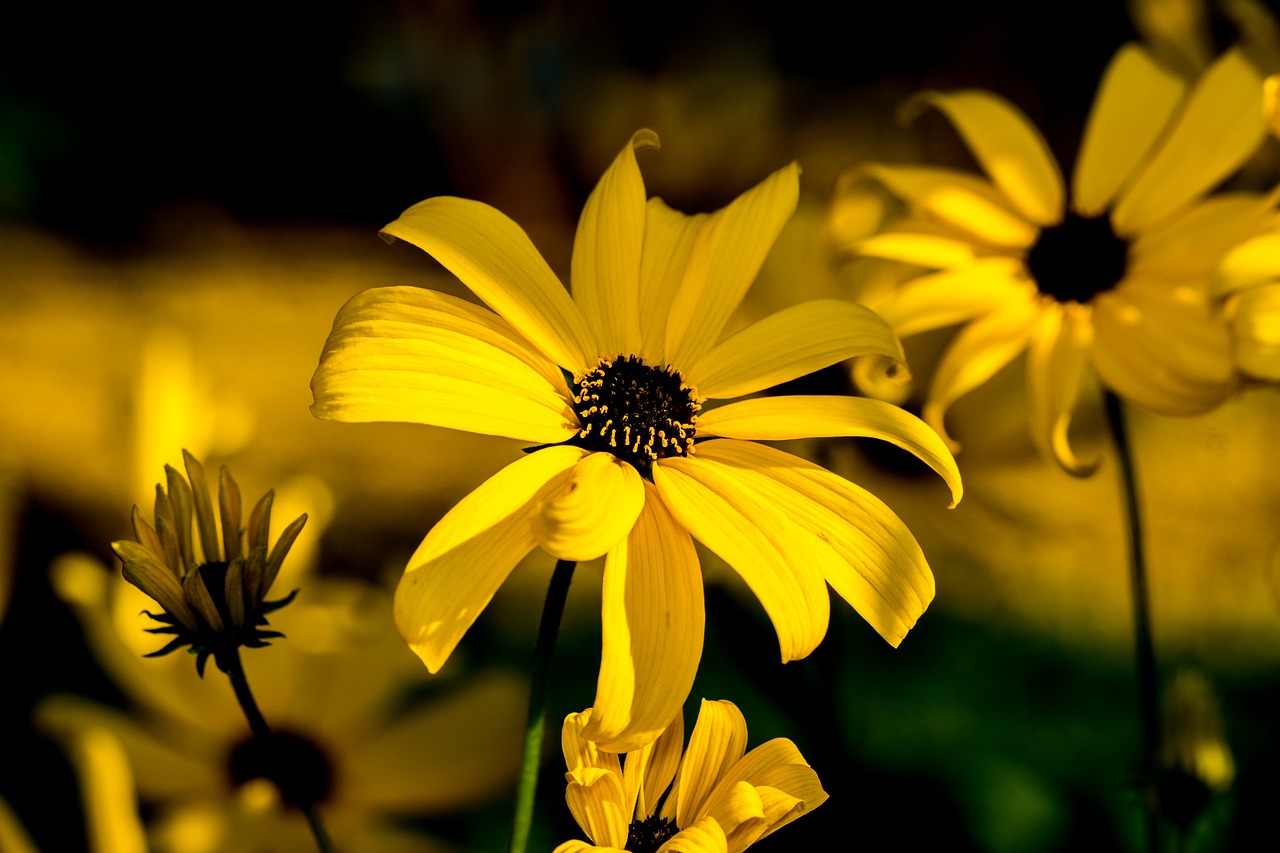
543	650
1144	647
229	662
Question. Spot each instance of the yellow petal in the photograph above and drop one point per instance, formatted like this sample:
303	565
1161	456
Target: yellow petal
580	752
669	236
1056	361
791	343
1257	332
974	356
878	566
785	783
112	822
584	847
933	251
493	257
705	836
1008	147
1135	101
1254	262
469	553
605	271
733	805
719	739
781	563
205	523
778	808
653	618
1218	128
966	203
954	296
1271	103
1195	241
650	770
12	836
591	511
157	581
727	253
781	418
408	354
595	800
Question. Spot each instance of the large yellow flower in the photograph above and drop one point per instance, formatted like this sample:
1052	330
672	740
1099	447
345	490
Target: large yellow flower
1119	279
609	384
723	799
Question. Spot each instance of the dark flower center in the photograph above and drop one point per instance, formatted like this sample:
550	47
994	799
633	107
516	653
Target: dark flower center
637	412
646	836
296	765
1078	259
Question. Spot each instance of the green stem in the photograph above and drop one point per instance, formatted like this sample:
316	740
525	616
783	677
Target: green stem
229	662
543	650
1144	647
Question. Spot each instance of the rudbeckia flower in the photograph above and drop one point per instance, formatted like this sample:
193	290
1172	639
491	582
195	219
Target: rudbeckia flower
610	387
721	797
1116	281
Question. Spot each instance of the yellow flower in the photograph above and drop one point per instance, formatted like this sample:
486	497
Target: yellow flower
609	385
334	695
1249	279
1195	758
720	799
1118	280
214	602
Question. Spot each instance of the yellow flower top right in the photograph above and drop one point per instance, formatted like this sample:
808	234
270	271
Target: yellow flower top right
1117	279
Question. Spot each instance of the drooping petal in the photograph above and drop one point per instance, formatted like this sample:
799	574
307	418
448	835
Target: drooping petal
718	740
1056	360
669	236
791	343
725	257
605	270
786	417
1008	147
974	356
580	752
493	256
1256	326
469	553
879	568
954	296
653	619
1195	241
1162	347
591	511
1219	126
781	563
409	354
966	203
1252	263
1135	101
596	801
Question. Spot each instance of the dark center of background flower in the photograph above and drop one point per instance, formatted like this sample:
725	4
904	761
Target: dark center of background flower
646	836
635	411
296	765
1078	259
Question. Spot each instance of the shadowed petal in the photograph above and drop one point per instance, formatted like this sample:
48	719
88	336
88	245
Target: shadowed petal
954	296
1008	147
705	836
964	202
1256	326
469	553
493	257
605	269
408	354
596	801
1135	101
725	257
1195	241
1056	361
653	618
794	342
591	511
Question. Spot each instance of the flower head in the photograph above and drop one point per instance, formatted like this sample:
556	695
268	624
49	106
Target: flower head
212	590
721	797
611	387
1117	280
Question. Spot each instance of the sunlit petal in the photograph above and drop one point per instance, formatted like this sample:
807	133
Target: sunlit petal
954	296
1256	325
1056	360
1254	262
469	553
606	251
494	257
933	251
669	237
718	740
726	255
591	511
732	805
596	801
653	619
791	343
1135	101
705	836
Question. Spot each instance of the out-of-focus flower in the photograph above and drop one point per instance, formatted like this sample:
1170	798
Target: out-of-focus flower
337	696
1195	760
609	384
1249	279
721	797
212	589
1117	282
13	838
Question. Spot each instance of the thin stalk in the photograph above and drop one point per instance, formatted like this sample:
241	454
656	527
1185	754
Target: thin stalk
544	649
1144	647
230	664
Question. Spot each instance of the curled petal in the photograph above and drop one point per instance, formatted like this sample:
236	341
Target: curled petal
1056	361
596	801
591	511
705	836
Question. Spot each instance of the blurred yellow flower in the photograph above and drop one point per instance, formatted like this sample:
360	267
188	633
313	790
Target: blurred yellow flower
1117	281
610	385
1195	758
1249	279
721	798
335	695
